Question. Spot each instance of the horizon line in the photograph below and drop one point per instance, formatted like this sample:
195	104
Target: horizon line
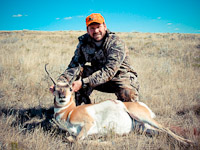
86	31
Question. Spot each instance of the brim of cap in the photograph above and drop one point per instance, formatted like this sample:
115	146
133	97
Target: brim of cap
100	22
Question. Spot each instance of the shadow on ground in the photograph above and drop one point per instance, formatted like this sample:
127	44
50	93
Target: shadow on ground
31	118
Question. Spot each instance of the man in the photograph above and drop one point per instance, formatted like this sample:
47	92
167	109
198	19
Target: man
108	70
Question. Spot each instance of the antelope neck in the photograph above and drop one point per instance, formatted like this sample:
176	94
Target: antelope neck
66	110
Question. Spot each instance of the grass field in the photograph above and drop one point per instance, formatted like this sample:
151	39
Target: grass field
168	66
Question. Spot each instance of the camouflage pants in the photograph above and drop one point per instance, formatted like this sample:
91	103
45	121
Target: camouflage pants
124	86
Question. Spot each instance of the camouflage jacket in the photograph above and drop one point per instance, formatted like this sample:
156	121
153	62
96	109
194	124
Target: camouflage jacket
110	60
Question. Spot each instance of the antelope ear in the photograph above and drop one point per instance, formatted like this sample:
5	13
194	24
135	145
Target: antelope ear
52	88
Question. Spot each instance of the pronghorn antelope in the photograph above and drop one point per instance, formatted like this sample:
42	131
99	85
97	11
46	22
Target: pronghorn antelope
89	119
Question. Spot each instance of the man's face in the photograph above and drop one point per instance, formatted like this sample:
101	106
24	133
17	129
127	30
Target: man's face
97	31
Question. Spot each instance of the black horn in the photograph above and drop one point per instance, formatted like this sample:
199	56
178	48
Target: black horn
76	74
49	75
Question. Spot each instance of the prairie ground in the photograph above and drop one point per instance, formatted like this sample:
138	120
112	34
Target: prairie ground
168	66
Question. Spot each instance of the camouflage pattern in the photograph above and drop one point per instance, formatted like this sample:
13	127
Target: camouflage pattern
109	68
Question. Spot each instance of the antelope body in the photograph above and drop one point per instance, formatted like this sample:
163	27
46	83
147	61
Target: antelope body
90	119
120	117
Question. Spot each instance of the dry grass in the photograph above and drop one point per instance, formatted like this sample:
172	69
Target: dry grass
169	73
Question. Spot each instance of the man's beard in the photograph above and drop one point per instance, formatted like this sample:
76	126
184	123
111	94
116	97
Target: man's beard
97	35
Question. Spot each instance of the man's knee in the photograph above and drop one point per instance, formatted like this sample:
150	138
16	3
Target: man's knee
128	95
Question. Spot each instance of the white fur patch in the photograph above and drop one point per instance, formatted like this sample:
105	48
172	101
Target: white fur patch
67	99
59	109
109	115
62	84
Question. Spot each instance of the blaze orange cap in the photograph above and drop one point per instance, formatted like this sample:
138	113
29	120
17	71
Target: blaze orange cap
94	17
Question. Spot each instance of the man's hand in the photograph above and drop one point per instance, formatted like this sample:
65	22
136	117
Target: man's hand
76	85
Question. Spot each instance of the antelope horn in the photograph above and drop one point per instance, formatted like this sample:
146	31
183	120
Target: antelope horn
49	74
76	74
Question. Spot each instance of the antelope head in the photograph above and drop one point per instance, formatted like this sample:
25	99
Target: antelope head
62	91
